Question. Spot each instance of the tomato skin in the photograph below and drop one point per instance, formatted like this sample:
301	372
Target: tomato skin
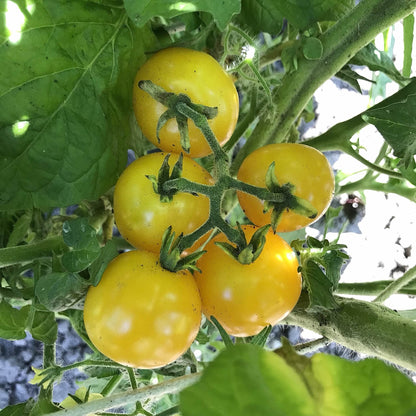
140	216
303	166
246	298
140	314
203	80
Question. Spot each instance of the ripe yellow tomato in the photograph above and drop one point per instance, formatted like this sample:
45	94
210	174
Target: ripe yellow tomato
203	80
303	166
140	314
139	214
245	298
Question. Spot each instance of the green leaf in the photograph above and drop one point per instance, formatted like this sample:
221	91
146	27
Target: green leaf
247	380
365	388
21	409
65	101
20	229
44	327
312	48
78	260
79	235
377	60
304	13
60	291
12	321
320	288
142	11
96	269
261	16
397	124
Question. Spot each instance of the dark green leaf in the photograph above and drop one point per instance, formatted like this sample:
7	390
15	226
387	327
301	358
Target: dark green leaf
304	13
397	124
21	409
261	16
78	260
141	12
65	101
320	288
79	235
12	321
377	60
60	291
96	269
44	327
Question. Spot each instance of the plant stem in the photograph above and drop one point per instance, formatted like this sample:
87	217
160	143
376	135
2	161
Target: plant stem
373	288
141	394
365	327
27	253
396	285
340	43
397	187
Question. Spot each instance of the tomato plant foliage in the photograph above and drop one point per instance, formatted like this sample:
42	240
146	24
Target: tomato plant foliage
68	131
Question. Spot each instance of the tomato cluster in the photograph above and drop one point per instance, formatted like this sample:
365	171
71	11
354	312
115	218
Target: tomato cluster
143	315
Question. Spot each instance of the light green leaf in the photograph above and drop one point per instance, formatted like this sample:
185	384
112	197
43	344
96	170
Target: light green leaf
142	11
312	48
65	100
408	32
247	380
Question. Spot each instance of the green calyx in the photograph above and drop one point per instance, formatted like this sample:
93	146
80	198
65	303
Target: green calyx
244	252
174	102
290	201
165	175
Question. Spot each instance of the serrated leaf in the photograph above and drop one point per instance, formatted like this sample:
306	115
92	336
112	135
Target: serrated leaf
377	60
65	94
12	321
320	288
44	327
261	16
60	291
397	124
141	12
